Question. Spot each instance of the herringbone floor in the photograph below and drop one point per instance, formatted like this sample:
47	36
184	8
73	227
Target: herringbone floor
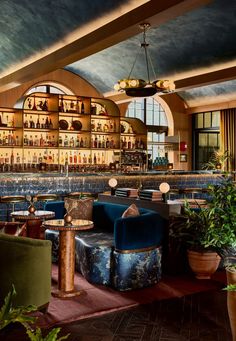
198	317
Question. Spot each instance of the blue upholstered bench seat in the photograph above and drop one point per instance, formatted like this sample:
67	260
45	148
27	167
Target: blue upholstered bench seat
124	253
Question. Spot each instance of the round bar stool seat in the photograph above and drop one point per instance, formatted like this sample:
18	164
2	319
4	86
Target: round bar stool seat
174	192
81	195
192	191
11	199
46	197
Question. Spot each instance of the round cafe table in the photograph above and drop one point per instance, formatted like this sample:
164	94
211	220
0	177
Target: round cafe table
66	271
33	221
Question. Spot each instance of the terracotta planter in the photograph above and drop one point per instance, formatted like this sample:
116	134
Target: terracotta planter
203	264
231	302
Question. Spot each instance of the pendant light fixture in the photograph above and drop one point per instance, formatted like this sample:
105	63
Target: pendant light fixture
143	88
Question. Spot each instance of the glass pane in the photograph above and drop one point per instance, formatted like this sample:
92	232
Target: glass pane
203	139
213	140
207	119
215	118
199	121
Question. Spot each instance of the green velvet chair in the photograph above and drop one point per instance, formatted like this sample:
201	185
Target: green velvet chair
26	263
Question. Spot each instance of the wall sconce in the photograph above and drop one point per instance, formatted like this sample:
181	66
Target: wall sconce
164	188
112	183
169	166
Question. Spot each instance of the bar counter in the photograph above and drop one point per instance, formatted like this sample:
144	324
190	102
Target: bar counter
62	184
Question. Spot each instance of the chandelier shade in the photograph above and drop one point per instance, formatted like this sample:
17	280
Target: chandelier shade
143	88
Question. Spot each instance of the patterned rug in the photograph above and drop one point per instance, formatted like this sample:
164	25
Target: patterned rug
97	300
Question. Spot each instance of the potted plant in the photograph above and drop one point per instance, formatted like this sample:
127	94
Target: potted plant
212	228
230	266
191	230
10	314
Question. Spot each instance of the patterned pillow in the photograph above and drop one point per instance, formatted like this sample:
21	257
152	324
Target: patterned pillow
132	211
79	208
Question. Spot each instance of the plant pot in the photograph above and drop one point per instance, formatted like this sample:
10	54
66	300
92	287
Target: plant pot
231	302
203	264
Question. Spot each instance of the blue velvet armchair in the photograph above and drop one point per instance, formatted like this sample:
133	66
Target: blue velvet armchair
124	253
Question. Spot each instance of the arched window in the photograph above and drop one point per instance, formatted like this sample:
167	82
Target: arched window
153	115
50	88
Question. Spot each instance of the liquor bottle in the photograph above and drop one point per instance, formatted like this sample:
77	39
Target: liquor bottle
17	158
79	158
34	159
36	141
60	141
1	143
99	142
72	142
50	124
26	123
75	158
45	105
94	159
6	142
103	142
90	159
40	158
17	140
71	158
81	143
98	158
47	123
43	123
12	158
129	144
77	142
92	125
107	143
26	141
30	142
82	108
66	141
41	141
84	159
7	159
34	104
103	158
32	124
95	142
61	105
38	123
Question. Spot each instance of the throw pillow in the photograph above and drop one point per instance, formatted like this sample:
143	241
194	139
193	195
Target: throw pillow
131	211
79	208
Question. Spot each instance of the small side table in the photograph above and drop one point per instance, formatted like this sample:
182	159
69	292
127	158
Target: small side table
66	287
34	221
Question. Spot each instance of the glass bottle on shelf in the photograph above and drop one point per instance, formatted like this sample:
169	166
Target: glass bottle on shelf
61	105
75	158
18	158
82	108
47	123
50	124
84	159
26	123
17	140
38	123
34	104
81	142
94	159
79	158
41	141
66	141
1	141
30	143
60	141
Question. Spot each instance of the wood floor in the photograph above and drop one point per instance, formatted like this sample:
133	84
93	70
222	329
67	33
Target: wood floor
198	317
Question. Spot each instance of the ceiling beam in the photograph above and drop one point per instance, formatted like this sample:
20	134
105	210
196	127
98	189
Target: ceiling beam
206	79
116	30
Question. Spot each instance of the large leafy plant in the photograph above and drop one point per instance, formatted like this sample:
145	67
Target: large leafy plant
212	227
10	314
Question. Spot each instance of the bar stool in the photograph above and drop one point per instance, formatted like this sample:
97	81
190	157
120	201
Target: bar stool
81	195
11	200
174	192
46	197
191	192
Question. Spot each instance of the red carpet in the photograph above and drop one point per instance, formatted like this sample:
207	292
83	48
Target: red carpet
97	299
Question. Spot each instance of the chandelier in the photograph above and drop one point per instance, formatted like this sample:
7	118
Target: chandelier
144	88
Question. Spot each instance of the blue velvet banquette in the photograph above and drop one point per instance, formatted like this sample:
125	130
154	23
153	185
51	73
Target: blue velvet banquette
124	253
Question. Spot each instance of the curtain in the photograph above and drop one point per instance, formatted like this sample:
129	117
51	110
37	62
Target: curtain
228	136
